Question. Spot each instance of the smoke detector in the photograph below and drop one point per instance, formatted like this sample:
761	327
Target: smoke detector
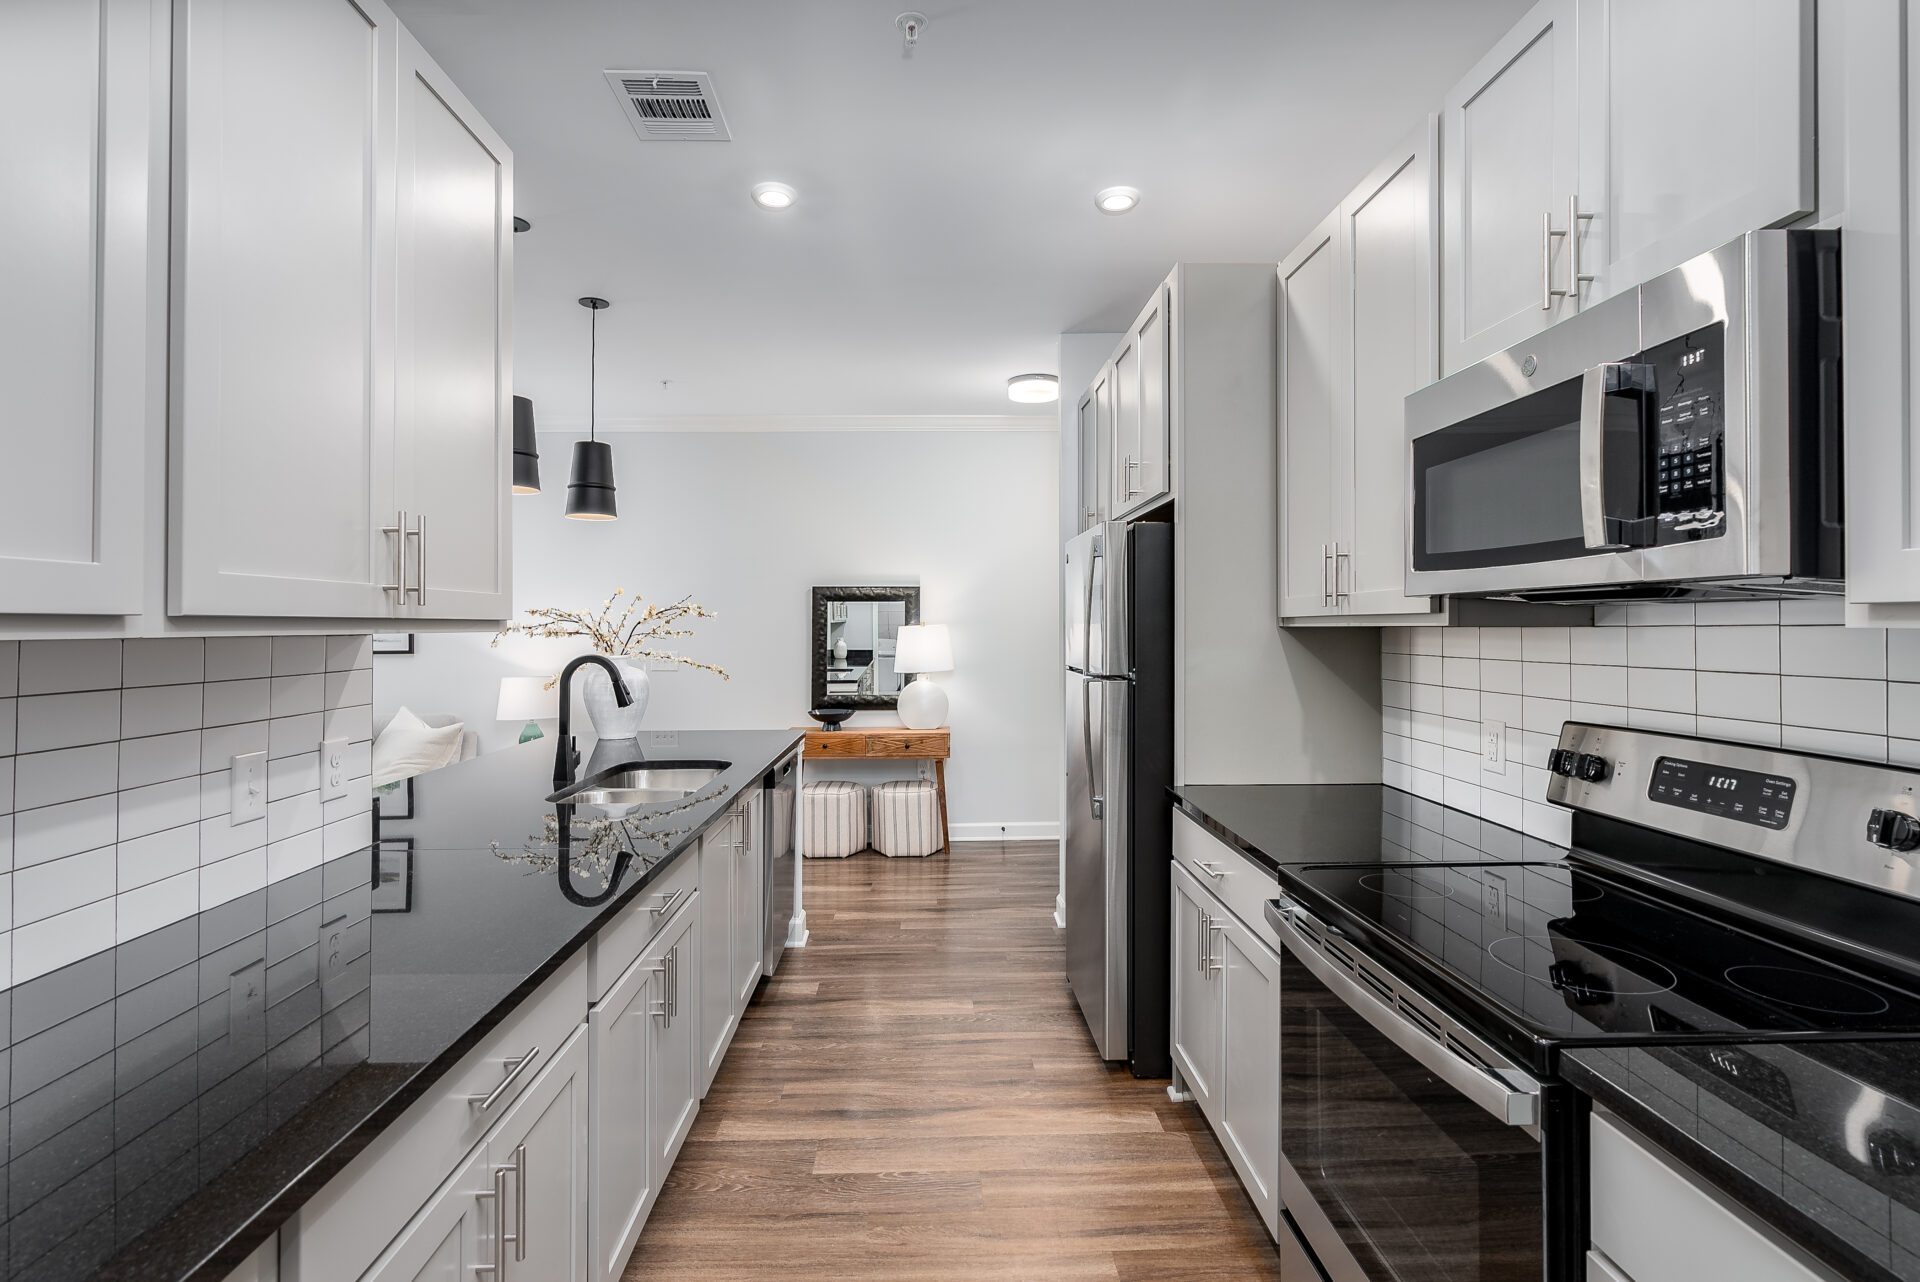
670	106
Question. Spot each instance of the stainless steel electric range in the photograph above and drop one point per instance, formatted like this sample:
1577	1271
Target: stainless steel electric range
1745	914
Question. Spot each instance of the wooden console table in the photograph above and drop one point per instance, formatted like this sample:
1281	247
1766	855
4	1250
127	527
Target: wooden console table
884	744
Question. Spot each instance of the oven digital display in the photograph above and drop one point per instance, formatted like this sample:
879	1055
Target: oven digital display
1748	796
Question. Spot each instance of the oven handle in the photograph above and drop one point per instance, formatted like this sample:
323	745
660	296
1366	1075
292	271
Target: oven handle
1508	1094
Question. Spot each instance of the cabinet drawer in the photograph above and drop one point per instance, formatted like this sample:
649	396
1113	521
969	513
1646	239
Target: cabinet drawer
351	1220
837	743
621	939
898	743
1235	880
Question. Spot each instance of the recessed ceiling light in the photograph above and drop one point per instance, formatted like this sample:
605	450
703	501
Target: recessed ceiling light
1033	389
774	195
1116	200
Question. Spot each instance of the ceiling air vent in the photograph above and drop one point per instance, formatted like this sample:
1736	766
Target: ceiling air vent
670	106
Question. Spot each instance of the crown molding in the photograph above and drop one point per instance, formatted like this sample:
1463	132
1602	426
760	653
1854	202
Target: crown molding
1047	422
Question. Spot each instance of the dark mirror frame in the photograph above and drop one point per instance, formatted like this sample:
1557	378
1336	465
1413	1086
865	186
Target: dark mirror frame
818	635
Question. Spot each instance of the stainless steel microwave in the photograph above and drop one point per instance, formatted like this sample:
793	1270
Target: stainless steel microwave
1677	440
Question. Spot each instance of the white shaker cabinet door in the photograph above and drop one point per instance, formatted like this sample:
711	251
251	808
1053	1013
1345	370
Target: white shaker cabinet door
1248	1120
1508	153
1143	382
1096	443
452	409
1196	995
283	307
676	1087
1311	421
1388	229
719	1014
1681	153
540	1146
454	1237
749	915
83	115
620	1187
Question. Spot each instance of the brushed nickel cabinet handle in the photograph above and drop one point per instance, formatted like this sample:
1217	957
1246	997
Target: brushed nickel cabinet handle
1575	277
1547	234
419	535
520	1202
514	1067
399	532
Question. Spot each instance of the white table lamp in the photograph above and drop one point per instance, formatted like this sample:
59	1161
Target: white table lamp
923	648
528	699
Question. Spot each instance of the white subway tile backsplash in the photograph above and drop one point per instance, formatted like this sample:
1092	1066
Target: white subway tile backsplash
1425	699
238	658
114	778
1769	673
164	661
1834	652
48	778
1741	696
1427	669
295	655
1834	703
1746	648
1393	667
57	667
67	720
155	710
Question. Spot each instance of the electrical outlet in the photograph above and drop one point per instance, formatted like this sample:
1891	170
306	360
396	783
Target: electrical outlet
1494	891
248	800
247	1004
333	769
661	738
1493	747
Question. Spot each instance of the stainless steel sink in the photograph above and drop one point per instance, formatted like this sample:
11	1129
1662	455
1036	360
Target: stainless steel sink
650	785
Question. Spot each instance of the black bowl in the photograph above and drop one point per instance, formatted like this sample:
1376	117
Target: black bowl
830	717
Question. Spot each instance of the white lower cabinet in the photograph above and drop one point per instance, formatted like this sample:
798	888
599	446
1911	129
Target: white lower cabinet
674	957
517	1208
1226	1020
746	950
733	928
1196	1007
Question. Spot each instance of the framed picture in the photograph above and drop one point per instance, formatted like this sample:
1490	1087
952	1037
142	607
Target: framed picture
395	801
393	643
393	875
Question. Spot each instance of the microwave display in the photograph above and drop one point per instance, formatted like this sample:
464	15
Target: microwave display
1689	428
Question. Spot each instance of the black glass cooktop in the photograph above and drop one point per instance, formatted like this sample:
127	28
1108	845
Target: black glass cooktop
1571	955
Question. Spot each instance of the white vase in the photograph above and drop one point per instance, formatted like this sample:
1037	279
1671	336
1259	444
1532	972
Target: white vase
610	720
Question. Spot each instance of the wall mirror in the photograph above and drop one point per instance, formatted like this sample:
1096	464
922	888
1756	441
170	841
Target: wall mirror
852	642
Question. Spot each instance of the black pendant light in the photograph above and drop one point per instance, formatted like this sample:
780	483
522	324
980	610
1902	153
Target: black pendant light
590	488
526	449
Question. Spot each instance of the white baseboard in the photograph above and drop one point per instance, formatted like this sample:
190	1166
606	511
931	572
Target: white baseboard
797	933
1049	831
1059	912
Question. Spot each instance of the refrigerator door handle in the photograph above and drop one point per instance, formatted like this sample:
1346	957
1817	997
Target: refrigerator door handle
1095	778
1093	664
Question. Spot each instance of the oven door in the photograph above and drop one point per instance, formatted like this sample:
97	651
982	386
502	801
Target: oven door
1411	1150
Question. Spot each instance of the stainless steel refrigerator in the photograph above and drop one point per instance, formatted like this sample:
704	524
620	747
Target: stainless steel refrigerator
1119	749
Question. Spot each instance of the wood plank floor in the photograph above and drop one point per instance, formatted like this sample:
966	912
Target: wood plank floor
915	1096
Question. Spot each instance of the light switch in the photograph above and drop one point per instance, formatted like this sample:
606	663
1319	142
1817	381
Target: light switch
333	769
249	800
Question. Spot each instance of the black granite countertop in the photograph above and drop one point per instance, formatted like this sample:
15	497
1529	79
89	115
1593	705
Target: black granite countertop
174	1100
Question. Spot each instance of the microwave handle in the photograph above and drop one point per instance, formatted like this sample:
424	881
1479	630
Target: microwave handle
1595	385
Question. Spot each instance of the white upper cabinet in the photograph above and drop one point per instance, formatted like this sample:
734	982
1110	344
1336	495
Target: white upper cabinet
1603	142
1142	430
1387	226
1356	334
453	417
283	307
1096	441
1312	412
1508	150
82	128
1680	153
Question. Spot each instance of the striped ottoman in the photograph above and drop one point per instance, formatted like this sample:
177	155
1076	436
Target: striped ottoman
906	818
833	817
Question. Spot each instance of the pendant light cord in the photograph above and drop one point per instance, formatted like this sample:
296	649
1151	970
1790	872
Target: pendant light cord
593	373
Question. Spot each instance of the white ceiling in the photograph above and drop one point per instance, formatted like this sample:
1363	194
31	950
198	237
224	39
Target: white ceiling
945	231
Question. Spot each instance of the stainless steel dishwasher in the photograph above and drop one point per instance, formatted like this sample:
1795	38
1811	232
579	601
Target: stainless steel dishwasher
777	814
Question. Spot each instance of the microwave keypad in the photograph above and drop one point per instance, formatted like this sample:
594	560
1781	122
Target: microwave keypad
1688	474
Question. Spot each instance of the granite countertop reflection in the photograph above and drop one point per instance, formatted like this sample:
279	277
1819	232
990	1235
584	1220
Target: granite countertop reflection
172	1101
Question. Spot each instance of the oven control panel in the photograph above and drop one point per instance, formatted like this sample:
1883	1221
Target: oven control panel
1689	431
1748	796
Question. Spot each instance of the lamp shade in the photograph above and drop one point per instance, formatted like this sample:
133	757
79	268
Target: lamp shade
590	485
528	699
526	449
923	647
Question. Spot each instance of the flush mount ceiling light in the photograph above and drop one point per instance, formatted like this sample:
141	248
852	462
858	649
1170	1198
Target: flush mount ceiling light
590	486
774	195
1033	389
1116	200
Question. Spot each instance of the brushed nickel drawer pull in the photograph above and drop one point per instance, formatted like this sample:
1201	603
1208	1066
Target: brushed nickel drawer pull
514	1067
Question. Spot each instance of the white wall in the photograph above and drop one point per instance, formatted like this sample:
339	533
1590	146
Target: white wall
747	522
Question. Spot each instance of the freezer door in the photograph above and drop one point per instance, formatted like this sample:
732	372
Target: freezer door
1096	846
